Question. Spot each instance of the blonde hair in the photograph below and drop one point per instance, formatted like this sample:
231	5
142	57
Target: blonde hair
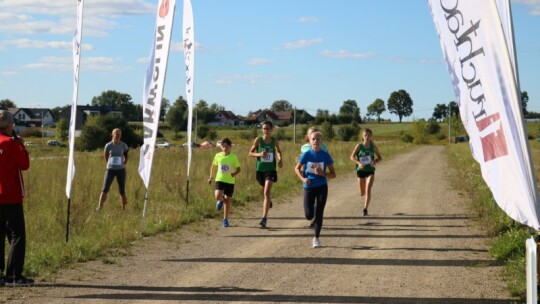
117	130
309	131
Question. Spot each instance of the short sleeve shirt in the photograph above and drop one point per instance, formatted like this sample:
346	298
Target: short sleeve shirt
116	155
311	161
226	164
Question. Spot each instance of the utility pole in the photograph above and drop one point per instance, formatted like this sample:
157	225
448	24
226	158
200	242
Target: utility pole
449	123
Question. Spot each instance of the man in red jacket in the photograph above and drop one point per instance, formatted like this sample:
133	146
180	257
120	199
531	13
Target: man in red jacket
13	159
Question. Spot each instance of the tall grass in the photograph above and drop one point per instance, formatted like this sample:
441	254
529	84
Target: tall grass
94	234
508	243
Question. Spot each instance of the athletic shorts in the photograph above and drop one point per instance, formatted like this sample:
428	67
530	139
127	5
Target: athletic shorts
263	176
120	178
228	189
364	174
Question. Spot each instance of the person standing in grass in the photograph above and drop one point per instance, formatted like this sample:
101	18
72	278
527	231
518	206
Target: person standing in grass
228	167
311	170
116	157
13	160
363	156
266	150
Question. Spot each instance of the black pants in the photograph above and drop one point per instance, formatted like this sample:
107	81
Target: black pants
12	220
314	203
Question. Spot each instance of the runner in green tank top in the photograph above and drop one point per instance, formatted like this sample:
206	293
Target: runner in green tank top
364	157
266	150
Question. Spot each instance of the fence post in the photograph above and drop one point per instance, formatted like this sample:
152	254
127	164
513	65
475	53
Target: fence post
532	291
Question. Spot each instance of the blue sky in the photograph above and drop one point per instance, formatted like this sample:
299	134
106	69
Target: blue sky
313	53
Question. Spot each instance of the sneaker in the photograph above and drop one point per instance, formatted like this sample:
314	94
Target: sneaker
226	223
365	211
316	243
2	280
20	282
219	205
263	223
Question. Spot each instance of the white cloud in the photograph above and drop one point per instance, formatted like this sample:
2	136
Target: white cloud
230	79
179	46
307	19
258	61
58	16
534	6
40	44
94	64
302	43
345	54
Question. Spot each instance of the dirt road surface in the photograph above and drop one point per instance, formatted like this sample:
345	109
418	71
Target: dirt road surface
418	245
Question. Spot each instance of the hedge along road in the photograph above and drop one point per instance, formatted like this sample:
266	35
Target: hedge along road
418	245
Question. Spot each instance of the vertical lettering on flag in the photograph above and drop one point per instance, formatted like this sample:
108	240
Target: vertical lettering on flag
153	85
188	36
73	119
480	66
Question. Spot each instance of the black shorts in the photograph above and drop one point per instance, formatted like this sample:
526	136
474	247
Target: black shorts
228	189
263	176
364	174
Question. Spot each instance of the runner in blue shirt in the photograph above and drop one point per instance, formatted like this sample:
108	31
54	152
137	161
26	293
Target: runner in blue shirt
311	169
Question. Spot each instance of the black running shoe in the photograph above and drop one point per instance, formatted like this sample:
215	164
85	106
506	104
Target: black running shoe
20	282
263	223
2	280
365	211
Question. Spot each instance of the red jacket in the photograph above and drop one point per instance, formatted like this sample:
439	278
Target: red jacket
13	159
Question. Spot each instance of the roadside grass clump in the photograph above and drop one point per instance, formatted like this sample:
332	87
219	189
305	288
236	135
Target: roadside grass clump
508	244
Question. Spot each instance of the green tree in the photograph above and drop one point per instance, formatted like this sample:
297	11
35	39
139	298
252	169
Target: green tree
165	104
120	102
281	105
419	131
327	131
203	131
440	111
322	116
349	112
97	132
177	118
376	109
524	102
453	108
7	103
400	103
62	129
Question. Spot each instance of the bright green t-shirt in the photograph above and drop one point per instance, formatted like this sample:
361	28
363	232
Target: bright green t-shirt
226	164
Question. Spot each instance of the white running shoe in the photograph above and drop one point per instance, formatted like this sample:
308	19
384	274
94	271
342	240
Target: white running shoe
316	243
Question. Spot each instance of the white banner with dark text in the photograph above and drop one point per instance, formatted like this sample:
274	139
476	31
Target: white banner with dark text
188	37
153	85
77	36
480	66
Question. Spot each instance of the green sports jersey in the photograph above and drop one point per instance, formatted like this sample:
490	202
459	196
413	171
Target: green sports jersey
366	155
267	163
226	164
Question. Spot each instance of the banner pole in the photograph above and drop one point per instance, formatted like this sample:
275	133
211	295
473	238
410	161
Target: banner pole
67	222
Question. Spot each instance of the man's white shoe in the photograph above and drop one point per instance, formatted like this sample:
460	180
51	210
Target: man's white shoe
316	243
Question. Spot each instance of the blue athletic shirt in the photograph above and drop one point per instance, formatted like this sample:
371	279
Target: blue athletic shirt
311	160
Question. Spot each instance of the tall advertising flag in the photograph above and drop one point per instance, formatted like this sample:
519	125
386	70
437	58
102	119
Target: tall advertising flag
189	60
76	64
479	63
153	86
